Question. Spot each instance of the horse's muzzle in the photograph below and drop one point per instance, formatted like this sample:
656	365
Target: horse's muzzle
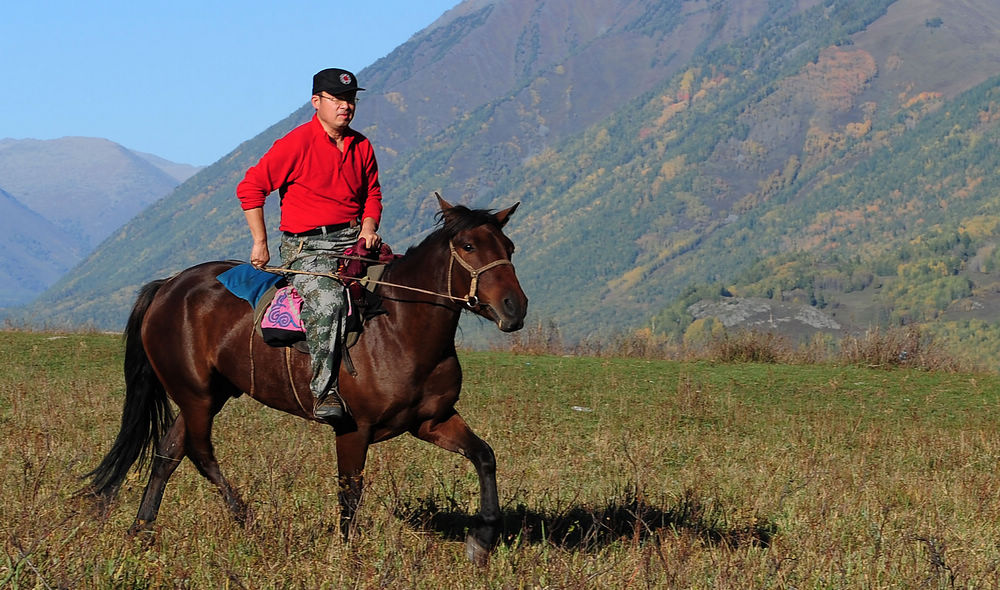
510	315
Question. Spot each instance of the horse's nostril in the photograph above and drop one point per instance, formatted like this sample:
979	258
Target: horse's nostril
513	307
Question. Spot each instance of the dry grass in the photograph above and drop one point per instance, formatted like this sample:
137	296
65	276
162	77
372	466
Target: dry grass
614	473
903	346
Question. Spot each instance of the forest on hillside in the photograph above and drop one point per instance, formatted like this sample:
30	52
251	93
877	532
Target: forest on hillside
899	225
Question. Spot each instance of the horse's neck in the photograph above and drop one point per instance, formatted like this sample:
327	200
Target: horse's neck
417	285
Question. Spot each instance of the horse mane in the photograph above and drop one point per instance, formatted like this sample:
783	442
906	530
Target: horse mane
456	219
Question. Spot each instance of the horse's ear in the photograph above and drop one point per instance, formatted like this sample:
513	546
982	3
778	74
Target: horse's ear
504	216
445	205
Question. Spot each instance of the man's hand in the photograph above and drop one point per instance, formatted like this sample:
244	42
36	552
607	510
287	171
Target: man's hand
259	255
369	233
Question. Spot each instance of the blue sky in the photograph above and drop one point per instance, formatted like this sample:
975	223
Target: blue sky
185	80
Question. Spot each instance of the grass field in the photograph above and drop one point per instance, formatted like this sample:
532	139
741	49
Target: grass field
613	473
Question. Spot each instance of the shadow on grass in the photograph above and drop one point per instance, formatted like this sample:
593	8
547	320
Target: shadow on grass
628	516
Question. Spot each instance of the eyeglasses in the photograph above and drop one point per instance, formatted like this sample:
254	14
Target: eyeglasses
338	100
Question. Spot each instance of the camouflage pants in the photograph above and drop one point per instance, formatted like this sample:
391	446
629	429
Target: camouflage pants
323	300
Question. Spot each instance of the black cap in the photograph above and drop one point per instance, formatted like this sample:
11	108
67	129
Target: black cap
335	81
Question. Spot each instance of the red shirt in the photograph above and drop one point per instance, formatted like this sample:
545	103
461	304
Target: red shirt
318	184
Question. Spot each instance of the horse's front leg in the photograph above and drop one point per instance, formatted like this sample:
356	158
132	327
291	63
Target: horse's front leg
352	451
455	435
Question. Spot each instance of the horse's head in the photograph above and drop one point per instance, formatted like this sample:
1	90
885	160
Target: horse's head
481	265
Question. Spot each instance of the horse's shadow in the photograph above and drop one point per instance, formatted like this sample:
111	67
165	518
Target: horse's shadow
578	527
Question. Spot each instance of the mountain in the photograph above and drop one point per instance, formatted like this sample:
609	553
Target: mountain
37	252
62	197
86	186
838	154
541	70
179	172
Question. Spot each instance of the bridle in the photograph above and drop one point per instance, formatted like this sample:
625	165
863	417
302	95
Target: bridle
471	300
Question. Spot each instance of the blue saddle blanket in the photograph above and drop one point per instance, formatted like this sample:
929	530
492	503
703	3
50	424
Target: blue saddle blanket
247	282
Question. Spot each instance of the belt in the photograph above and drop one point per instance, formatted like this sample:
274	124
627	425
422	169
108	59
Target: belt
323	229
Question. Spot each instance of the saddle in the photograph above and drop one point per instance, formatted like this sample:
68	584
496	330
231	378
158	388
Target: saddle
278	312
277	305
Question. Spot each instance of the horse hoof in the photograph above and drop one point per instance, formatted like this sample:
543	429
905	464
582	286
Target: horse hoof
142	532
242	515
140	527
477	553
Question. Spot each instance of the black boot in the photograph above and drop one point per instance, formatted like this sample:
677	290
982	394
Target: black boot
329	406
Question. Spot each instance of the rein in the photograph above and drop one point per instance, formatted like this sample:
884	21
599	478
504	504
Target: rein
470	300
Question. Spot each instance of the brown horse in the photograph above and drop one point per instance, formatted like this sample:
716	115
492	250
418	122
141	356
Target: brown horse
188	338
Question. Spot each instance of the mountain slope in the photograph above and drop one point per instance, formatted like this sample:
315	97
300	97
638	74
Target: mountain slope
62	197
959	40
556	67
37	252
179	172
86	186
529	76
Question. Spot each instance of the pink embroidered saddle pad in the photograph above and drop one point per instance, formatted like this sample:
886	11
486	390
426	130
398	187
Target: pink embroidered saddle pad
281	323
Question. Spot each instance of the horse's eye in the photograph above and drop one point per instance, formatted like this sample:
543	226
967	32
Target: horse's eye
468	247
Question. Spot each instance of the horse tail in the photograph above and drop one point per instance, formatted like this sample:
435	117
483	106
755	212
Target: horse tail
146	414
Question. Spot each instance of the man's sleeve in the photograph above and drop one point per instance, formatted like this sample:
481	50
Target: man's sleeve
373	201
270	173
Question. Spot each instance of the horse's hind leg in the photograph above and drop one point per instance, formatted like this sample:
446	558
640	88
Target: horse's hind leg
166	458
455	435
199	448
